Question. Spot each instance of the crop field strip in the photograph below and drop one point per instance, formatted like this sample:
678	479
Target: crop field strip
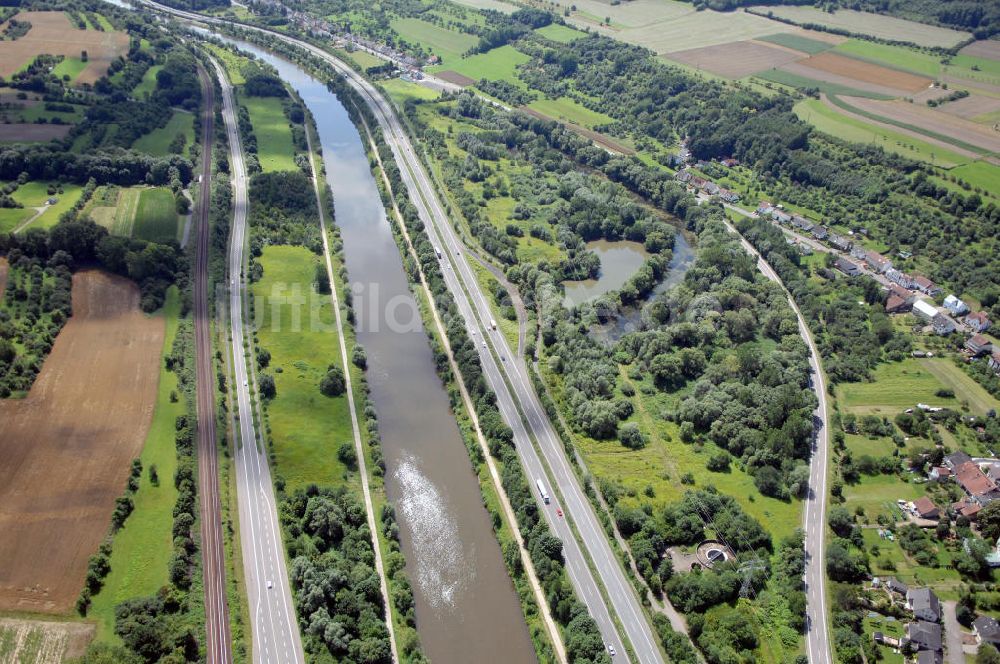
736	59
156	217
797	42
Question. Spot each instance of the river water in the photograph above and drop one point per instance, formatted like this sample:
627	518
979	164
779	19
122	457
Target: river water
466	607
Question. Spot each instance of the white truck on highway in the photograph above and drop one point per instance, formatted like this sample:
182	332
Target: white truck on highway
541	491
437	250
493	324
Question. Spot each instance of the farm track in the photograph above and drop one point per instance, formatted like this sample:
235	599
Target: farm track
219	641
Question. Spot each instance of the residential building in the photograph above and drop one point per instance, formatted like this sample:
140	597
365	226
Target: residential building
967	507
728	196
956	459
925	508
924	310
683	176
858	252
978	321
765	208
899	277
994	361
925	285
987	630
930	657
924	635
839	242
781	217
975	483
897	305
955	305
942	324
877	262
802	223
924	603
978	345
820	232
940	473
847	267
896	586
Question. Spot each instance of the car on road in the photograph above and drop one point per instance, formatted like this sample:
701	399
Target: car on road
269	584
484	344
559	511
611	649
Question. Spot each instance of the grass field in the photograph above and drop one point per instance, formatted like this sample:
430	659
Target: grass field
35	194
449	45
797	42
560	33
401	90
142	549
979	174
896	387
232	63
796	81
11	218
33	113
274	138
156	217
306	426
875	25
497	5
115	208
569	110
364	59
966	389
157	142
148	83
828	120
944	579
71	67
496	65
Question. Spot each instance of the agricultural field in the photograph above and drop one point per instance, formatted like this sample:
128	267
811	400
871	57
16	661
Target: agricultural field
722	59
42	642
495	5
306	426
790	76
984	48
449	45
560	33
816	43
866	23
70	68
71	441
498	64
158	141
895	387
156	216
275	150
142	548
52	33
888	79
114	208
148	83
569	110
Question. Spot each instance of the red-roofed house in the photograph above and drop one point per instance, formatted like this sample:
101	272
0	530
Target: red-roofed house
926	285
877	261
977	345
978	321
925	508
994	361
975	482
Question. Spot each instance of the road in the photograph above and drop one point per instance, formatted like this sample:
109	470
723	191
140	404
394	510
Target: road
272	614
952	633
218	638
814	518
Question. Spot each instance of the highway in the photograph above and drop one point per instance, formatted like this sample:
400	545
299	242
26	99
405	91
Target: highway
218	639
274	626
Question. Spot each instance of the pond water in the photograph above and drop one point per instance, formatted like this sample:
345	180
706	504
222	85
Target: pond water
619	261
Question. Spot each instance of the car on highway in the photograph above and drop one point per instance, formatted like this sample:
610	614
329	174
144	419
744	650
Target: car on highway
269	584
559	511
611	649
484	344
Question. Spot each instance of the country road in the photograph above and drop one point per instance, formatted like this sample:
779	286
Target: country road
274	626
219	641
508	377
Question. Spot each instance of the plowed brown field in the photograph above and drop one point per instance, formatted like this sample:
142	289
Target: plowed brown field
866	71
52	33
737	59
67	446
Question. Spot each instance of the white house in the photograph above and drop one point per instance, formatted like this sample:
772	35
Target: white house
955	305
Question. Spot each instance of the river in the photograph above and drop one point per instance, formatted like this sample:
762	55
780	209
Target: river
466	607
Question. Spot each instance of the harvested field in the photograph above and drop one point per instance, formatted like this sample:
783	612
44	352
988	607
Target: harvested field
801	70
931	120
43	642
8	99
737	59
971	106
455	77
984	48
859	70
602	140
52	33
29	132
866	23
67	447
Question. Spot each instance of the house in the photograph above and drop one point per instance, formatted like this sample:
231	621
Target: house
711	188
847	267
955	305
802	223
978	345
975	483
978	321
924	310
925	508
942	324
898	277
924	635
923	602
858	252
781	217
987	630
683	176
877	262
925	285
994	361
839	242
897	305
930	657
896	586
956	459
940	473
764	208
967	508
728	196
730	162
820	232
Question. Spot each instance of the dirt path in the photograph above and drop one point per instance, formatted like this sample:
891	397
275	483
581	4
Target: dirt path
67	446
899	130
952	634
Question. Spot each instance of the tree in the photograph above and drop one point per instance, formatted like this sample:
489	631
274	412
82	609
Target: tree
989	521
322	280
631	437
987	654
333	383
842	565
768	482
347	455
718	463
268	390
841	522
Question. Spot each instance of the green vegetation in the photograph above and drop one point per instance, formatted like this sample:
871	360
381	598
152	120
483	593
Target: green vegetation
797	42
306	426
449	45
275	149
560	33
499	64
569	110
166	140
70	67
803	83
156	217
147	85
142	548
895	386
